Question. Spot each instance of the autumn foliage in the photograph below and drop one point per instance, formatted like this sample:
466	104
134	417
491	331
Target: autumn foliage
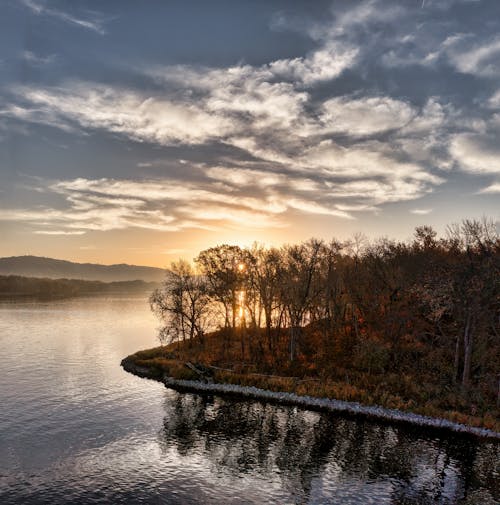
412	325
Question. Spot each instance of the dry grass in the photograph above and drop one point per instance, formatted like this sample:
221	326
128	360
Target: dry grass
313	375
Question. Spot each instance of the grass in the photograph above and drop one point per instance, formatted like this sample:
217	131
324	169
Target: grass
316	376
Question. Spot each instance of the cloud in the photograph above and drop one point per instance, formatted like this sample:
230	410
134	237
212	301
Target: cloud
430	118
244	177
222	198
394	58
59	232
274	123
103	204
324	64
492	188
37	115
267	104
293	139
281	134
315	208
41	9
421	212
376	192
360	161
482	59
365	116
34	59
476	153
356	17
494	101
195	202
434	38
139	117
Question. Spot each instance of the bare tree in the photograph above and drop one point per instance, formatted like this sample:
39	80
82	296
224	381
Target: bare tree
331	304
181	304
220	267
264	270
476	282
299	284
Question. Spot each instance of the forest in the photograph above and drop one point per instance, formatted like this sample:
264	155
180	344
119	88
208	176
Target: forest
42	288
411	324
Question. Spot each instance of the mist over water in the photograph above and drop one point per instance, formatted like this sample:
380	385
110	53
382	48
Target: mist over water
76	428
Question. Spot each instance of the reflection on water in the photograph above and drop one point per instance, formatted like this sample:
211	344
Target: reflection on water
320	458
76	428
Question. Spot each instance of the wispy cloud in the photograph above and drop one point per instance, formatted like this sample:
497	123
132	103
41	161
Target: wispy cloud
494	100
35	59
492	188
482	59
267	113
219	198
40	8
293	163
139	117
37	114
421	212
295	138
476	153
59	232
322	65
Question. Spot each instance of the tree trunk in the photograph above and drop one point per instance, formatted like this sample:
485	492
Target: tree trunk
498	393
267	315
468	341
355	325
457	359
294	335
242	339
183	328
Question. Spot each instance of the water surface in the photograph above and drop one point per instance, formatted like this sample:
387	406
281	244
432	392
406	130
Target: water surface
76	428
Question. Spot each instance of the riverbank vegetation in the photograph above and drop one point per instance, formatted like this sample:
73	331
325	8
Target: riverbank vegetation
410	325
15	286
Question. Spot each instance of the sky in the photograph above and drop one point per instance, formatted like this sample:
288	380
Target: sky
140	132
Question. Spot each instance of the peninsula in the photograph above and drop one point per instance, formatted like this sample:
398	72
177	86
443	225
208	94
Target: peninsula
406	326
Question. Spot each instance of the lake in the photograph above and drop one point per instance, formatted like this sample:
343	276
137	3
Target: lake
76	428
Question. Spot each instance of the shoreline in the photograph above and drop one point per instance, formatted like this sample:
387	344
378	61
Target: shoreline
353	409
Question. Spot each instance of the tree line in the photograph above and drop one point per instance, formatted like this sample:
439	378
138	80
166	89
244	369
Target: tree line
429	302
19	286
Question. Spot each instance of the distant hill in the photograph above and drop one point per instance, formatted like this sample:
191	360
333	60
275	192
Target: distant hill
36	266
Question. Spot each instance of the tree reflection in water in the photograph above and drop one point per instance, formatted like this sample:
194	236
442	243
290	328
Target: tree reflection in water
317	456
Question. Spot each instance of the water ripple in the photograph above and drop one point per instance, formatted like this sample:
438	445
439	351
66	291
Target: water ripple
75	428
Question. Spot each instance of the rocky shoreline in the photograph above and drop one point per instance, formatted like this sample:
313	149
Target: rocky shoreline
309	402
